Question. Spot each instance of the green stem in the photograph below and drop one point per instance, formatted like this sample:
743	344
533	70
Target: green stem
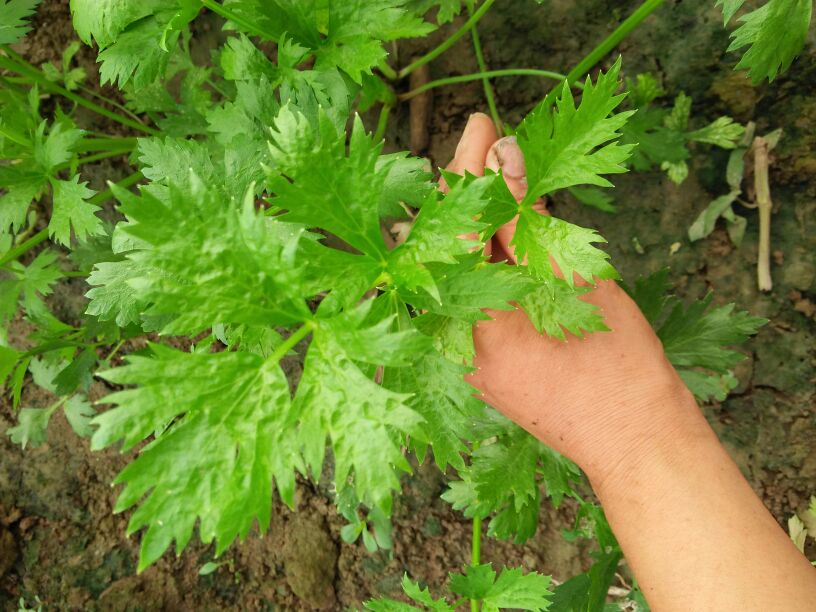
478	76
449	42
387	71
113	103
613	40
475	541
15	63
115	349
42	235
97	157
236	19
24	247
488	88
56	345
382	123
87	145
475	553
126	182
299	334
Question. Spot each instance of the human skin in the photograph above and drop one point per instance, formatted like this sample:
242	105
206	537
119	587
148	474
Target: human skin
695	534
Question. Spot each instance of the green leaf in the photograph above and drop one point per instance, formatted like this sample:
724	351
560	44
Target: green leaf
206	262
541	238
706	387
73	211
507	469
408	182
55	149
111	297
103	20
655	143
554	307
243	61
651	295
697	337
14	206
137	55
76	374
678	119
575	146
464	290
235	408
170	160
32	426
729	8
8	359
366	423
512	589
417	594
722	132
13	16
705	223
644	90
446	402
347	35
79	413
587	592
321	186
775	34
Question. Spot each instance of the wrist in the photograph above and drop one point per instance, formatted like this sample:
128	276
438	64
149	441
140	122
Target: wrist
649	432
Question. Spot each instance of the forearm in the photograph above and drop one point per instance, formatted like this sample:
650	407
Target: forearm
695	534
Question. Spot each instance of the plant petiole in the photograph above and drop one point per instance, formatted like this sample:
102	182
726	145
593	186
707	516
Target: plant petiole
226	13
382	122
476	553
387	71
15	63
612	41
299	334
490	74
96	157
87	145
448	42
490	96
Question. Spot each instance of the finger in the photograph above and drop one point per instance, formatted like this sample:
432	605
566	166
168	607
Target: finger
477	138
479	135
507	156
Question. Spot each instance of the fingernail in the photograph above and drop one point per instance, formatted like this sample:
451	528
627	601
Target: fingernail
507	155
467	135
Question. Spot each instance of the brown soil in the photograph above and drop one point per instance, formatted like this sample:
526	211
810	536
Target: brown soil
59	540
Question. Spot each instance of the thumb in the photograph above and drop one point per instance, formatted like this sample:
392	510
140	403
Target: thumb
507	156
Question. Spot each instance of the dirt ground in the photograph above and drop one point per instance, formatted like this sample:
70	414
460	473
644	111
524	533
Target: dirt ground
60	542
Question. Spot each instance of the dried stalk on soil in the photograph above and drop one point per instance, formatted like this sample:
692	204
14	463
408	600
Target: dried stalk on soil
764	204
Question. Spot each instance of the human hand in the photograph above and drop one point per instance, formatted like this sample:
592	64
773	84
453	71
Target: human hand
613	403
597	399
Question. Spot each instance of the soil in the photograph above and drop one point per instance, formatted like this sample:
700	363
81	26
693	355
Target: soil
61	543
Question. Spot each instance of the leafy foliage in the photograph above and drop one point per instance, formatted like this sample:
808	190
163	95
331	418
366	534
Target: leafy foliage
13	15
258	234
775	34
696	337
511	589
662	135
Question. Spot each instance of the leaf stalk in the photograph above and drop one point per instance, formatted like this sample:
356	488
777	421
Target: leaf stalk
478	76
612	41
448	42
15	63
